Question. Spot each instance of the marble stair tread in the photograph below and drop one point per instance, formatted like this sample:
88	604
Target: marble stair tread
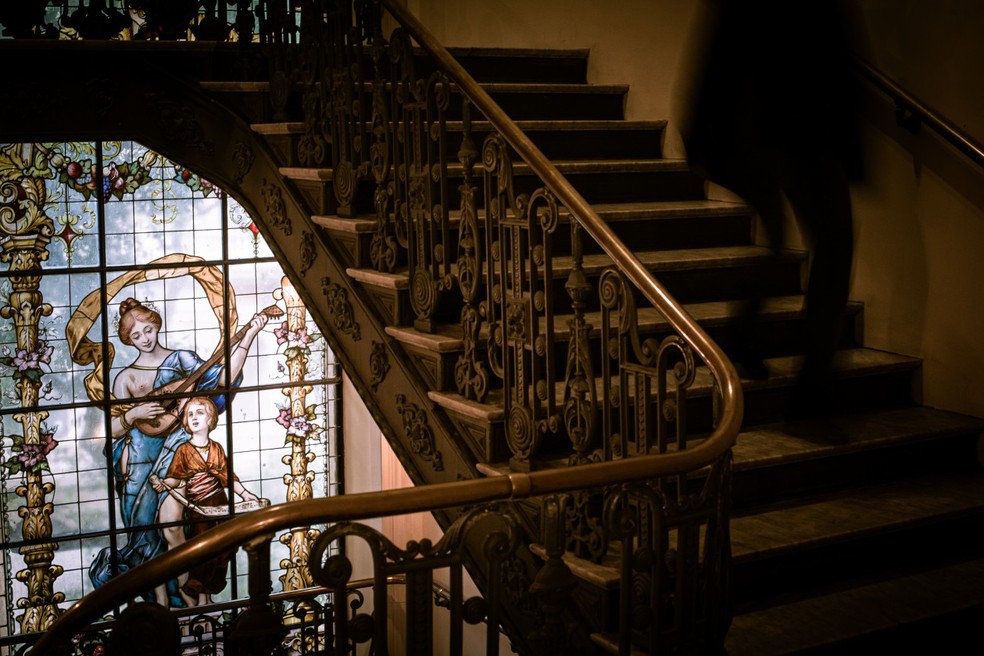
631	211
842	515
798	626
585	166
354	225
680	259
641	210
278	128
253	86
771	445
832	519
379	278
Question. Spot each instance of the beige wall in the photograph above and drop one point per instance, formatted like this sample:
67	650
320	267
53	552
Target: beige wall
919	265
635	42
371	465
919	220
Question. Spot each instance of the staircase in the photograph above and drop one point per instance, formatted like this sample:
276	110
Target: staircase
873	543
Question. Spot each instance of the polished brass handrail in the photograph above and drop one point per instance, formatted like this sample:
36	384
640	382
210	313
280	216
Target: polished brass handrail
263	523
957	137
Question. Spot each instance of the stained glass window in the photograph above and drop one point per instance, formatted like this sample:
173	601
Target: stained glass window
157	372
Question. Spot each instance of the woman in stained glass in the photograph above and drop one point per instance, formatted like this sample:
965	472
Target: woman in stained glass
197	479
145	435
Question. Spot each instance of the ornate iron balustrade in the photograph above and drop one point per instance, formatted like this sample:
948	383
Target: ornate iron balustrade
616	394
673	538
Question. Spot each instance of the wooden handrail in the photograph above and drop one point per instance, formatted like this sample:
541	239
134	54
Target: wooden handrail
954	135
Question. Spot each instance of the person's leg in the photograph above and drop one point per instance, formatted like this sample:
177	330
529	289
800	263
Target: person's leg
820	196
756	182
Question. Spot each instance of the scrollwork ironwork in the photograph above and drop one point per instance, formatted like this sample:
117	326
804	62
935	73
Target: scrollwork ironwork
179	123
379	365
340	309
418	433
309	252
276	209
243	158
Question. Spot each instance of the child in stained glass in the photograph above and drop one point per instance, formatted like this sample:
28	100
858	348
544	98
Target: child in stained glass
198	479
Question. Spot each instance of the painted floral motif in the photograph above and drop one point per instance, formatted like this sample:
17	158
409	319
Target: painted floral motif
300	428
118	179
296	340
195	182
27	364
30	457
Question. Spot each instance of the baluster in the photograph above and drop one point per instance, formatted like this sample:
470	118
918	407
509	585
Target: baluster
259	630
471	377
280	34
382	155
579	387
554	581
312	146
521	323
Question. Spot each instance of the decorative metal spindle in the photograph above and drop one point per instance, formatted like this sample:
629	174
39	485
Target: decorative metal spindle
579	389
383	249
471	377
259	630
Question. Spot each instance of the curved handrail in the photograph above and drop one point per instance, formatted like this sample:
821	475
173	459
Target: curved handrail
514	486
579	208
957	137
267	521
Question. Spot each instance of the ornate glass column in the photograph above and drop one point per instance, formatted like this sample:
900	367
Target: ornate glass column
25	232
299	420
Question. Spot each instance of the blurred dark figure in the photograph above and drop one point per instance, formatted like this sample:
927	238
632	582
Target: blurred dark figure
772	116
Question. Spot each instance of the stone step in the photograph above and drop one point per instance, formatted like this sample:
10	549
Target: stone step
850	566
770	460
790	554
691	275
864	380
598	181
654	224
935	611
557	139
520	101
779	331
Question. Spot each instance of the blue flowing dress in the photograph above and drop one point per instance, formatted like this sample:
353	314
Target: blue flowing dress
139	502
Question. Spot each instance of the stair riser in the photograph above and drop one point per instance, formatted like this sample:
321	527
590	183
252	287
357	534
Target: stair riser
764	405
595	187
791	479
809	570
644	233
559	144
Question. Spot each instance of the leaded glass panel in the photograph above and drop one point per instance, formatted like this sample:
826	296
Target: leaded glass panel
122	271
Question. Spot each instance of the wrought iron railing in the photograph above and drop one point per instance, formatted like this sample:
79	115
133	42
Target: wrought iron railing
376	112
